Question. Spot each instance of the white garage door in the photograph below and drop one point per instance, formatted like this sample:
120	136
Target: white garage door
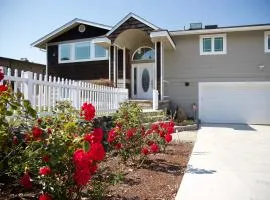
234	102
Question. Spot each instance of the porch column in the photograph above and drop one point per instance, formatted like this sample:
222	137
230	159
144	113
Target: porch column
114	66
155	68
124	67
109	55
162	70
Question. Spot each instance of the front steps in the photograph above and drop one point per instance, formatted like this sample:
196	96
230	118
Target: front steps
148	104
150	116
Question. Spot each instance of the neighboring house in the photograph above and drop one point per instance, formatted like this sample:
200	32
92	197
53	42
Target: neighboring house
22	64
224	70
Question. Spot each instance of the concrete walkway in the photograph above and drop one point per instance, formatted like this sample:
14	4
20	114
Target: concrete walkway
229	162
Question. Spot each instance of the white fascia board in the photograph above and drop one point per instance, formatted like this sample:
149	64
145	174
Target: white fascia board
219	30
65	27
163	34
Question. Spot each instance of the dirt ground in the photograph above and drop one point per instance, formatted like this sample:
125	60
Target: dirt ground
159	178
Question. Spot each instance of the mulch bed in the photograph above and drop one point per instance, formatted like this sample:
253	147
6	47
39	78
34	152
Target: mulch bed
158	178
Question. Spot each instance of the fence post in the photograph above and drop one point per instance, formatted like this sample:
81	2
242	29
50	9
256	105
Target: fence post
28	86
155	99
76	95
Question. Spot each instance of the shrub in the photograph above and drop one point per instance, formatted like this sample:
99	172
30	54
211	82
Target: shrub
58	153
130	138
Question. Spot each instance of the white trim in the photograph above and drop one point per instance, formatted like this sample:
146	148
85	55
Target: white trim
219	30
109	55
65	27
46	70
212	37
266	36
114	66
165	34
134	16
161	70
72	53
124	66
102	40
138	49
155	68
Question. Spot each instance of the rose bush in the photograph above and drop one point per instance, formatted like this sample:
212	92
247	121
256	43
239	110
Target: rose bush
132	140
55	154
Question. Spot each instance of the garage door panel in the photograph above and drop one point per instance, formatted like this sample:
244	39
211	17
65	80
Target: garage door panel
247	102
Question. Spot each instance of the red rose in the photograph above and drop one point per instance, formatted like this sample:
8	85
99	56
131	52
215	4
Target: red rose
44	171
154	127
82	176
168	138
154	148
118	146
49	131
45	196
37	132
130	133
81	159
39	120
111	136
88	111
1	75
97	152
3	88
25	181
45	158
144	151
95	136
15	140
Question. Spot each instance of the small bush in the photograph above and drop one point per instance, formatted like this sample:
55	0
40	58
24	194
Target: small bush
130	138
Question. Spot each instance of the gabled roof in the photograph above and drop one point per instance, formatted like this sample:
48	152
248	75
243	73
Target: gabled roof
128	17
41	42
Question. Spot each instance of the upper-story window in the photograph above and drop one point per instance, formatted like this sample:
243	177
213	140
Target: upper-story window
81	51
144	53
267	41
65	53
213	44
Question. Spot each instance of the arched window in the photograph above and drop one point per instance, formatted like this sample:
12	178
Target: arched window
144	53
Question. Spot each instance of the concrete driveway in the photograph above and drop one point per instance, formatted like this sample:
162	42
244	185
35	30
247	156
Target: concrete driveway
229	162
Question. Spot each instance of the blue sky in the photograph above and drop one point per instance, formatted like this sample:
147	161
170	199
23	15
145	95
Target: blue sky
24	21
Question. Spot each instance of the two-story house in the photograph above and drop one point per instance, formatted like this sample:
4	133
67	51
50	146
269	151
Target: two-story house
224	70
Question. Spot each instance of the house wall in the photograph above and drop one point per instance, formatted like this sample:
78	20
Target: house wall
78	70
245	52
90	70
74	34
22	65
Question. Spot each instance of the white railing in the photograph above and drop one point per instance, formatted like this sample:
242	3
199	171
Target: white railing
43	92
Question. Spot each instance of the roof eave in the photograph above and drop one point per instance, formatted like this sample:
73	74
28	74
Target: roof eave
219	30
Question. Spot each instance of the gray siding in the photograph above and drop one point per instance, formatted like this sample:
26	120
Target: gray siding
245	51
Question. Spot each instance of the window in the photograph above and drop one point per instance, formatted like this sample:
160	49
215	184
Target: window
100	51
81	51
213	44
267	42
65	54
144	53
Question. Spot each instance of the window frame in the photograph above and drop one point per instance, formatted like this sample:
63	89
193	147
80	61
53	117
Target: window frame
266	36
59	53
212	37
72	52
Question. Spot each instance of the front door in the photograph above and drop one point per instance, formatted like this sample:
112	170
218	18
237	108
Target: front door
142	80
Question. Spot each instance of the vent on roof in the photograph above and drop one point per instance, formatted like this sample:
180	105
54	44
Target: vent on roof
211	26
195	26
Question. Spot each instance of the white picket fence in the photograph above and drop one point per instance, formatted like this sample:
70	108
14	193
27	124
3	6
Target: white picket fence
43	92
